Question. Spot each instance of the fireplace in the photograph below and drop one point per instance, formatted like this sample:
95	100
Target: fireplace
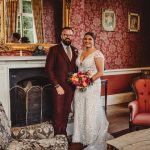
15	62
30	97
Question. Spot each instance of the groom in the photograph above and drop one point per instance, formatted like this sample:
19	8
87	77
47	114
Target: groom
61	61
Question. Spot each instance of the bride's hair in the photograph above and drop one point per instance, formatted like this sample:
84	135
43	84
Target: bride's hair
91	34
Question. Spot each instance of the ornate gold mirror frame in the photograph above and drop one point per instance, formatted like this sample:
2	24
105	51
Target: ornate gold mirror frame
30	46
66	12
2	34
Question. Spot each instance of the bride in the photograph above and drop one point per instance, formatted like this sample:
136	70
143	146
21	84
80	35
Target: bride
90	123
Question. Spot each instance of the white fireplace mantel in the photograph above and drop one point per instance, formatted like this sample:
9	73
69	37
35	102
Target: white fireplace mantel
13	62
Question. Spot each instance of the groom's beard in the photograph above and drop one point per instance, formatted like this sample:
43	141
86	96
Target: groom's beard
67	41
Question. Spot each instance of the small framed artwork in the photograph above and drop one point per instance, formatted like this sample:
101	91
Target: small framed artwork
108	20
133	22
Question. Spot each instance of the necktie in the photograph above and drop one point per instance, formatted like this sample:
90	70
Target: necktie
69	52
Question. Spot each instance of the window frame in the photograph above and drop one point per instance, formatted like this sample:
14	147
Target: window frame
21	15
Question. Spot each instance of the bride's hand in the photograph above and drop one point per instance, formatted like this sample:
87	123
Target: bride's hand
60	90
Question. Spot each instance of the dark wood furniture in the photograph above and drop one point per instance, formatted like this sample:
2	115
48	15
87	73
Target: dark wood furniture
104	83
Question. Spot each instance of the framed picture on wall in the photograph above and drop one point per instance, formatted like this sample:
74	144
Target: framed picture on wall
133	22
108	20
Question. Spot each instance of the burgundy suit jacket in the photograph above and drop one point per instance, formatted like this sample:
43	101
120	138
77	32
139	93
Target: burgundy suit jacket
58	64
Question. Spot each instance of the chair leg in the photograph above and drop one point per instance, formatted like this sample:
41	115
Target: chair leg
130	120
137	128
130	126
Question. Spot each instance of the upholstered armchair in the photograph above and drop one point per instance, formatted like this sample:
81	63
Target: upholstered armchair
32	137
140	107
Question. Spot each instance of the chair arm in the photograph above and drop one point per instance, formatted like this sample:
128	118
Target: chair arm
37	131
133	106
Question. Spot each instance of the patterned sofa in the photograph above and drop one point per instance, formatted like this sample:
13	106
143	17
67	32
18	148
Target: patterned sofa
33	137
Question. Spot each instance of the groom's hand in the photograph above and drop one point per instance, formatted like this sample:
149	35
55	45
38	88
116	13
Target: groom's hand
60	90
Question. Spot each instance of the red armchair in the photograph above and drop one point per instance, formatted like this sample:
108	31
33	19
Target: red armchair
140	107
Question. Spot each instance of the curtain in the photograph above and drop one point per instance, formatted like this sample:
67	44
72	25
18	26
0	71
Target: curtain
37	7
11	15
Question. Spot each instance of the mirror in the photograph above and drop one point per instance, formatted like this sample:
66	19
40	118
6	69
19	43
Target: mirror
46	26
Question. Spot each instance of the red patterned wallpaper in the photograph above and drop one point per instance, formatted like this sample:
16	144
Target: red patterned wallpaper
122	49
52	20
48	21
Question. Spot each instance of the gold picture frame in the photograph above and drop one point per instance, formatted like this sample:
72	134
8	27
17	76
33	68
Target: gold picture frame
108	20
133	22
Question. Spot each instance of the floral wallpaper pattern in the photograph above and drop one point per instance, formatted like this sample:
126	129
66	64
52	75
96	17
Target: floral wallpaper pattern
122	49
48	21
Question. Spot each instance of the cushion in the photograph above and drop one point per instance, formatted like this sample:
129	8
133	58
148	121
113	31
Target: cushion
18	133
38	131
4	129
59	142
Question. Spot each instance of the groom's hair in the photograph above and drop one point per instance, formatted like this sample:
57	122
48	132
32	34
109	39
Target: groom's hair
67	28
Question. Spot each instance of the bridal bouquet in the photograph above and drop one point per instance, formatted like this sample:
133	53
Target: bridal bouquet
80	79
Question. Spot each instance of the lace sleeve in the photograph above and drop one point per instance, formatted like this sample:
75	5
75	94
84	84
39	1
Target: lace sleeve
98	54
79	52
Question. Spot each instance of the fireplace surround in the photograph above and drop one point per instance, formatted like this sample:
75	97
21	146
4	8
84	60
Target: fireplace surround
7	67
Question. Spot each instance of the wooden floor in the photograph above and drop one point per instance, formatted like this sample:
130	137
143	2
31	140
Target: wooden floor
118	121
118	117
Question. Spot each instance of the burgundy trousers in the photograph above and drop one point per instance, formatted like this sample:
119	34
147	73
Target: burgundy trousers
62	107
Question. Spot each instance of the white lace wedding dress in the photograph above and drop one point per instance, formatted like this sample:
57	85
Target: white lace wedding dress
90	123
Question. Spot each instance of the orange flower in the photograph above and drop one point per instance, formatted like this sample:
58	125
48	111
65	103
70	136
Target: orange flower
81	80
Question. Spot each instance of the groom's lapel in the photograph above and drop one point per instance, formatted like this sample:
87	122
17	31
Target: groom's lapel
63	53
74	54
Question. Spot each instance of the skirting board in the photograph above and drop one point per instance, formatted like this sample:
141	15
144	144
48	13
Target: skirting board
118	98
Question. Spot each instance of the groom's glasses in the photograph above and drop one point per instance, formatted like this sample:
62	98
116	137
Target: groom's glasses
67	35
